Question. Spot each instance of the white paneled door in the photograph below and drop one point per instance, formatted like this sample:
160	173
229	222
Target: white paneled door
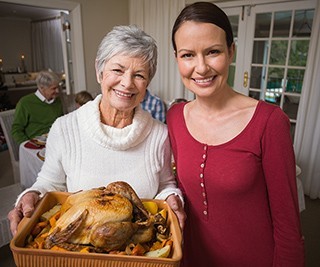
272	42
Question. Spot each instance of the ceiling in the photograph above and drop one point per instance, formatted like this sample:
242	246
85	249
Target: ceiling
9	10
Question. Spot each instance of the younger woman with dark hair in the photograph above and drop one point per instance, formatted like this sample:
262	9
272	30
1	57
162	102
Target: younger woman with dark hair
233	154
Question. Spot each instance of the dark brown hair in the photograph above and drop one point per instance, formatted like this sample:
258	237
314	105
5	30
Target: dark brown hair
83	97
203	12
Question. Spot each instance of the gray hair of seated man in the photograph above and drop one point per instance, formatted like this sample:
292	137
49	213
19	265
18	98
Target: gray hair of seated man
46	79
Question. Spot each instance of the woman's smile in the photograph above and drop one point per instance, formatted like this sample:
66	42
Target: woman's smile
204	82
122	94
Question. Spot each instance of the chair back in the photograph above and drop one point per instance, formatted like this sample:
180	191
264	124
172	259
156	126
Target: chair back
6	120
8	196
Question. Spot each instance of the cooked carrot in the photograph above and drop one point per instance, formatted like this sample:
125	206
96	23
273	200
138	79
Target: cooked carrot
56	248
39	240
138	250
85	250
156	245
42	224
54	218
168	242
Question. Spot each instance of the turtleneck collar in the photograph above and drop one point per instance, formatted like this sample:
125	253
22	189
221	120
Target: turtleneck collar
111	137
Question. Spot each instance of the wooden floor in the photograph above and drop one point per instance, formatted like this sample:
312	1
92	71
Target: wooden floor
310	219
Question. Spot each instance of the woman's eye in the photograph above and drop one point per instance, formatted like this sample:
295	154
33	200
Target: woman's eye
139	76
213	52
118	71
186	55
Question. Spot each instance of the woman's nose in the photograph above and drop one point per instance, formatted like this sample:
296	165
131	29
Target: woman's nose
126	80
201	65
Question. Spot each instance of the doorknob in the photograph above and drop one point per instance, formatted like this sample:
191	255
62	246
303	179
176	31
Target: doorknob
245	79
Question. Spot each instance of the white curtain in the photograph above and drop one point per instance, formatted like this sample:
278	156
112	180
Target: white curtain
307	139
156	17
46	45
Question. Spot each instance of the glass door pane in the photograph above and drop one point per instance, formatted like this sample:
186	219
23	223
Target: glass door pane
272	42
279	55
262	27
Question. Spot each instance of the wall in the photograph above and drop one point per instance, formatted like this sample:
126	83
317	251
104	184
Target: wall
15	41
98	18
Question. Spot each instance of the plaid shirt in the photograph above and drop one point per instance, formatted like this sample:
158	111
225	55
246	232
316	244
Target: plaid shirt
155	106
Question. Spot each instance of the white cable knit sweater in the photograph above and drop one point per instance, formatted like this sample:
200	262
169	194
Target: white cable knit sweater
82	153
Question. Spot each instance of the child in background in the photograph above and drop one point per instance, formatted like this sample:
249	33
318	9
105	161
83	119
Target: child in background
82	97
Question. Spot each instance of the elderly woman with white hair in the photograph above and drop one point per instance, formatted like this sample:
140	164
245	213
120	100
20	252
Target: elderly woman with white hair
110	138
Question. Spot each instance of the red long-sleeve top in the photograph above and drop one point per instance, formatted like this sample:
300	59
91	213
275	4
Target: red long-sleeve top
241	196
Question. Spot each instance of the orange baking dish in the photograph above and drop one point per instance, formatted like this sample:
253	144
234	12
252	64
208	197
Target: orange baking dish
48	258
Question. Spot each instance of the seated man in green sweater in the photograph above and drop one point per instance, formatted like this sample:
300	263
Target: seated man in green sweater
36	112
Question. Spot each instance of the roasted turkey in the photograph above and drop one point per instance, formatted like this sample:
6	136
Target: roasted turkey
107	217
